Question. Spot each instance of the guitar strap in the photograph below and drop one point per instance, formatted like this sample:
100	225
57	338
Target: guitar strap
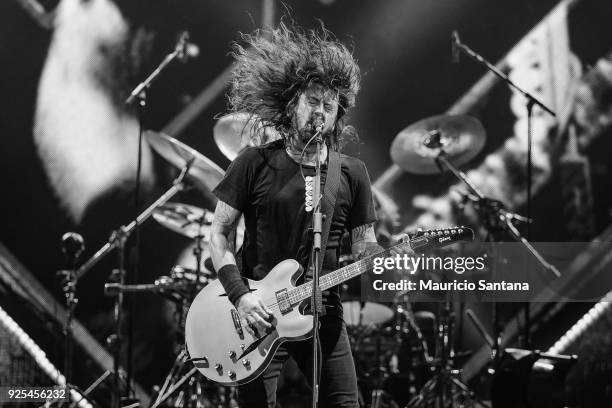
330	193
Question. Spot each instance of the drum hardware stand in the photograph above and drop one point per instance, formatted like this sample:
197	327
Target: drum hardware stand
139	95
405	309
176	377
438	390
495	218
378	394
170	388
72	248
494	344
117	241
197	253
175	380
530	102
73	245
492	209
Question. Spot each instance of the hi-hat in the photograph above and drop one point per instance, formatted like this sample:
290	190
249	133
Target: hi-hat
187	220
202	169
416	148
235	131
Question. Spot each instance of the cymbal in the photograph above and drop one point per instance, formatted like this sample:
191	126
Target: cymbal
187	220
191	221
202	169
460	137
235	131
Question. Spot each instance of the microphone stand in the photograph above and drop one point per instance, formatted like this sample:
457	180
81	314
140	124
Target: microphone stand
316	302
180	53
139	94
530	102
117	241
502	217
72	246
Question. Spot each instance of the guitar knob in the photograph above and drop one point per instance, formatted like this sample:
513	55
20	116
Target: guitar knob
246	362
232	354
231	375
218	367
242	347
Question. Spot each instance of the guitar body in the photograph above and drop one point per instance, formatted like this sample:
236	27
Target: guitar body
213	332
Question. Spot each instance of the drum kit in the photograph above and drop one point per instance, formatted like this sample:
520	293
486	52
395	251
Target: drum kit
392	344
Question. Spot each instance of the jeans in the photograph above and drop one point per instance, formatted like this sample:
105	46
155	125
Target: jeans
338	381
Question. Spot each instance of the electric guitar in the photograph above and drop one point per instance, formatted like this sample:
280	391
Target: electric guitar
223	350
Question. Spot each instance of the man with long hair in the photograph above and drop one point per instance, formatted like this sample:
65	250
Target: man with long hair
294	81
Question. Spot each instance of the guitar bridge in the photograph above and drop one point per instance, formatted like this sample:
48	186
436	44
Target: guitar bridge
282	299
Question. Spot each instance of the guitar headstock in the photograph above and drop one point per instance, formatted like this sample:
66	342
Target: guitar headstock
459	233
441	237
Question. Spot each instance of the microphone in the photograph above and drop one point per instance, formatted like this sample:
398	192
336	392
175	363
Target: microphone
318	123
455	47
73	245
185	49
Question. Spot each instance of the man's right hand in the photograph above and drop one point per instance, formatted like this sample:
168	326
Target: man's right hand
257	316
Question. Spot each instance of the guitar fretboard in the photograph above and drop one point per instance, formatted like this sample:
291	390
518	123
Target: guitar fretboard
338	276
424	241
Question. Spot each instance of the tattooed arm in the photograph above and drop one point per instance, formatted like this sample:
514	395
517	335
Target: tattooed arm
223	235
363	241
222	238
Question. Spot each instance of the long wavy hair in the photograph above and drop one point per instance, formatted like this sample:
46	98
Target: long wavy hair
273	67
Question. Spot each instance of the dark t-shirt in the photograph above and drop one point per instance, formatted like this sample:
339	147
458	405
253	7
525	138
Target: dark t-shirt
266	185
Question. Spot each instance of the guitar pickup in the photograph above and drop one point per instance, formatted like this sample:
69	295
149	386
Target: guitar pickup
282	299
237	324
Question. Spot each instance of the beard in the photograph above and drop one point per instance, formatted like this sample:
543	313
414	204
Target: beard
304	135
306	132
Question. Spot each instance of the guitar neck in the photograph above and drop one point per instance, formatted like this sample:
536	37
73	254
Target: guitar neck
422	242
343	274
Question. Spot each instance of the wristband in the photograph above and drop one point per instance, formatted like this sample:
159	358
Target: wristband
232	282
